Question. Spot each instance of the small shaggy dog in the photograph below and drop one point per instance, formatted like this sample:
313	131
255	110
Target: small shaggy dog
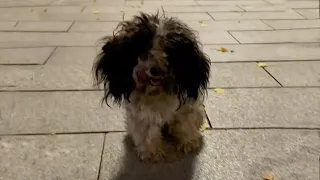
154	66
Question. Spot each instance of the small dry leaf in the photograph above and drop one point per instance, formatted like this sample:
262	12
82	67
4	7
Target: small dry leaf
219	90
204	126
95	12
203	25
94	0
223	49
262	65
268	176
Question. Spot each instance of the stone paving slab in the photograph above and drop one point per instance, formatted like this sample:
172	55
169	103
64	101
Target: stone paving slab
309	13
264	52
106	27
50	26
296	73
51	39
293	24
25	55
43	9
67	68
226	155
231	2
256	15
126	9
88	2
280	36
239	75
264	7
57	112
227	25
7	25
271	107
190	16
193	9
161	2
24	3
57	16
216	37
72	157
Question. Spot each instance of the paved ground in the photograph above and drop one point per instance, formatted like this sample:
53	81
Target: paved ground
52	126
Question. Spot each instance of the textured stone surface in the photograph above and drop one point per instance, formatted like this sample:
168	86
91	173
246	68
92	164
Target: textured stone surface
226	155
25	55
216	37
293	24
68	68
227	25
72	157
5	26
264	52
290	14
42	26
56	112
230	2
190	16
271	107
264	7
162	2
296	73
309	13
201	8
283	36
239	75
51	39
107	27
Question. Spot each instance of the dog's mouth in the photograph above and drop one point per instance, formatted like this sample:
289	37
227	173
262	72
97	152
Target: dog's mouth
155	82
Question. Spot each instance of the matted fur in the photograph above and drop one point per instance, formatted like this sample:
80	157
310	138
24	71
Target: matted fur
154	67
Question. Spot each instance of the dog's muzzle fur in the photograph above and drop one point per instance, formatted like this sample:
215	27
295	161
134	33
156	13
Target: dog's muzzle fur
154	66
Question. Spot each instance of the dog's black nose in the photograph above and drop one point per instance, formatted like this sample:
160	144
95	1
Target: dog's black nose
155	71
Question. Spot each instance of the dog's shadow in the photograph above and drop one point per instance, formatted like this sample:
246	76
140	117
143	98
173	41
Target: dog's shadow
182	168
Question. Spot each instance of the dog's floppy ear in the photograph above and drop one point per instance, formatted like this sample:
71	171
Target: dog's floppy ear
191	66
119	55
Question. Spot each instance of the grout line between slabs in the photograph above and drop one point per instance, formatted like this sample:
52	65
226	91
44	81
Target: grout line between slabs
234	37
54	50
275	79
101	157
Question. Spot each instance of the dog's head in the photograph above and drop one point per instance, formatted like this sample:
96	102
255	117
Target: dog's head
153	55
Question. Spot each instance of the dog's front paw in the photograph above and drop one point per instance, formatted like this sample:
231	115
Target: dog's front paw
151	157
190	146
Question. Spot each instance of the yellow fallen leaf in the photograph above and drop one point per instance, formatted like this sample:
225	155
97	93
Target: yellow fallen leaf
204	126
223	49
203	25
262	65
95	12
268	176
219	90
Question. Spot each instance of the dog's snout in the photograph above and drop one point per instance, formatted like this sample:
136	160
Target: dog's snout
155	71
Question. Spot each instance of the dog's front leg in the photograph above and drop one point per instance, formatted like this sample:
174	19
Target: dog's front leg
148	142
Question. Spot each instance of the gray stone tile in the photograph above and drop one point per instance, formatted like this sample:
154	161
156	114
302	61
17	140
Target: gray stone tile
256	15
25	3
264	52
309	13
25	55
271	107
87	2
4	26
227	25
280	36
239	75
230	155
302	4
293	24
58	16
57	112
230	2
190	16
42	26
72	157
194	9
216	37
126	9
107	27
52	39
68	68
296	73
162	2
264	7
43	9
